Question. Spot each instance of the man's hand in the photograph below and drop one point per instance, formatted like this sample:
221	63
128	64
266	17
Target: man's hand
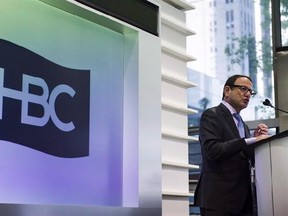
261	137
262	129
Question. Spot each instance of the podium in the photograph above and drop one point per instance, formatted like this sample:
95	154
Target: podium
271	175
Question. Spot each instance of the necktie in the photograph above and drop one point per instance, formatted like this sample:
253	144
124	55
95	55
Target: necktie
240	124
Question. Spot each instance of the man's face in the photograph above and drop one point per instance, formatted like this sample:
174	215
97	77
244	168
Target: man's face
239	95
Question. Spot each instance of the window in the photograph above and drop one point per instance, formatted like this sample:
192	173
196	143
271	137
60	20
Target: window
249	52
227	17
232	15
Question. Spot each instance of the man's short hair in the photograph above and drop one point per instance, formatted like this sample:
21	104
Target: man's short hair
231	81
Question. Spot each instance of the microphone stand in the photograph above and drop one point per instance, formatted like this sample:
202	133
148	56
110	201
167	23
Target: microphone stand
279	109
267	103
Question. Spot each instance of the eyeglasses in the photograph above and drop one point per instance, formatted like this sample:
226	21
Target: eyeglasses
245	89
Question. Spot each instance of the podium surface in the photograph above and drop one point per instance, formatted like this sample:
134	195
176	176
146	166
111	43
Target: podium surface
271	175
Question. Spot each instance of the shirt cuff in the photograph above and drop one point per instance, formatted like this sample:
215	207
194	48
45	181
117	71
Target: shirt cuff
250	140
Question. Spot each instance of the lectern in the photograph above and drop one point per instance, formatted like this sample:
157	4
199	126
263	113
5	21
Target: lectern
271	175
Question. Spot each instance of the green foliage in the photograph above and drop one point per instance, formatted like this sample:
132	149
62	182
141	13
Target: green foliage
246	46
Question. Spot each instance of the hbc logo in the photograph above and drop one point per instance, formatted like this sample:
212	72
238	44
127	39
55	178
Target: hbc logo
43	105
25	97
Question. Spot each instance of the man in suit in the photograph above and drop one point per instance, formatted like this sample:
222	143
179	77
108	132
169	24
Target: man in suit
224	186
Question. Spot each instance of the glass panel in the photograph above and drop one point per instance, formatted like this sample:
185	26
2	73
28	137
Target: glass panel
284	21
233	37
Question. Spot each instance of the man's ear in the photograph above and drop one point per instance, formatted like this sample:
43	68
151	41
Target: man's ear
227	89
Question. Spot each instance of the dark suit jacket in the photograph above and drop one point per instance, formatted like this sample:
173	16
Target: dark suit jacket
224	182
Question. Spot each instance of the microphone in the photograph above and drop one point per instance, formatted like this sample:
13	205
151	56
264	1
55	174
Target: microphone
268	103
